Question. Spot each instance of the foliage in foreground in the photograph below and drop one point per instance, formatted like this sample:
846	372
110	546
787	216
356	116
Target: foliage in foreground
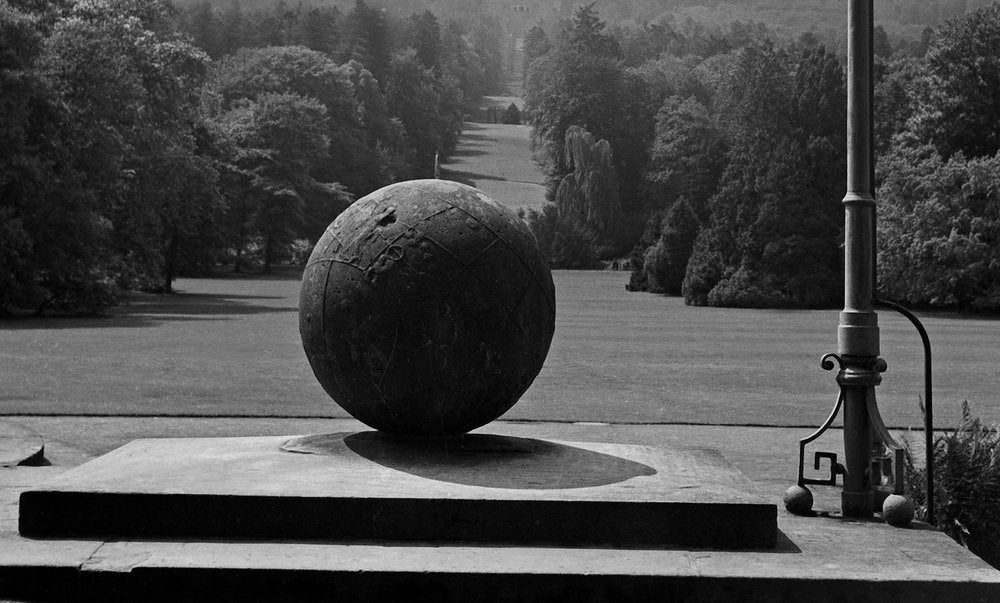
966	485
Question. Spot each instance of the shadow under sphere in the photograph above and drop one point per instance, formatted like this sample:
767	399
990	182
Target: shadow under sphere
484	460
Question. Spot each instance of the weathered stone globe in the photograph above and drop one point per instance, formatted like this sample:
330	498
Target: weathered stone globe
426	309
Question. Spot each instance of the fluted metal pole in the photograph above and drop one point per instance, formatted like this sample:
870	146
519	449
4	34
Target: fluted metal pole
857	335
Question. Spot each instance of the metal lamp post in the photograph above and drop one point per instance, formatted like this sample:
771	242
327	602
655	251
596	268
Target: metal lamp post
873	464
857	335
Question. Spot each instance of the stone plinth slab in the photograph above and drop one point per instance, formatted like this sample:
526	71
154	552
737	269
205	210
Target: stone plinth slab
816	559
366	486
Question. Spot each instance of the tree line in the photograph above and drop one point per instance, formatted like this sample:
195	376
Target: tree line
139	142
715	160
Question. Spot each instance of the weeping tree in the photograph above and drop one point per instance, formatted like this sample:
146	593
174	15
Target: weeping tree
589	193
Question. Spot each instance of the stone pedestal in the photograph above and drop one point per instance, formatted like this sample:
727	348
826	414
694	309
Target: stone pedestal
365	486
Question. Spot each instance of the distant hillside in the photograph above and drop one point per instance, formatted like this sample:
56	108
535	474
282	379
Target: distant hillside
905	18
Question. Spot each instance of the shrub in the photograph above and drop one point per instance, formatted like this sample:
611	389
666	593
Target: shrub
512	116
704	269
966	485
673	250
567	242
639	279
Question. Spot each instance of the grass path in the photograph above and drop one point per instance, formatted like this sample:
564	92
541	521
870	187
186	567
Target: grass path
496	159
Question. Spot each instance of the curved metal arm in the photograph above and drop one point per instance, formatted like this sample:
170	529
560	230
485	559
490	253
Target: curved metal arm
928	399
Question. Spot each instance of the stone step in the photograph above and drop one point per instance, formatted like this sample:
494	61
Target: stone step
816	559
366	486
822	558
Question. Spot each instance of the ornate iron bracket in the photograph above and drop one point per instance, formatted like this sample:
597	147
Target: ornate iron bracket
835	469
887	465
827	364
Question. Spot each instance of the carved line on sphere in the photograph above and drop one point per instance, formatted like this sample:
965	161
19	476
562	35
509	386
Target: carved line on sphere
381	395
513	251
482	251
520	300
323	305
435	214
388	362
443	248
326	280
337	261
475	274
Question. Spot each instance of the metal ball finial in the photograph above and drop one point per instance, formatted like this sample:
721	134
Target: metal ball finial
798	500
897	511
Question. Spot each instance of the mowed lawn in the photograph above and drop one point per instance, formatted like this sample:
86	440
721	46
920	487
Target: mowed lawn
230	347
496	159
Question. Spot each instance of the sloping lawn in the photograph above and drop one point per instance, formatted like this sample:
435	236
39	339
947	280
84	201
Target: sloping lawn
496	159
230	346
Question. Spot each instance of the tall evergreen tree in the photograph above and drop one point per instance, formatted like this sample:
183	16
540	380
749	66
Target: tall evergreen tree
202	22
460	62
366	39
688	153
429	108
774	232
487	43
536	45
665	262
318	28
586	34
424	36
234	28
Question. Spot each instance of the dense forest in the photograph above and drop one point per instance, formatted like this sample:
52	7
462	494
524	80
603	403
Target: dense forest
787	18
139	141
723	153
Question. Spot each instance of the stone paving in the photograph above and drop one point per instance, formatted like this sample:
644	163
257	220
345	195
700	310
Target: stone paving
825	556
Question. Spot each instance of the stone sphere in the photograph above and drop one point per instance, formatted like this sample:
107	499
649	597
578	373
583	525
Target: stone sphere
897	510
798	500
426	309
